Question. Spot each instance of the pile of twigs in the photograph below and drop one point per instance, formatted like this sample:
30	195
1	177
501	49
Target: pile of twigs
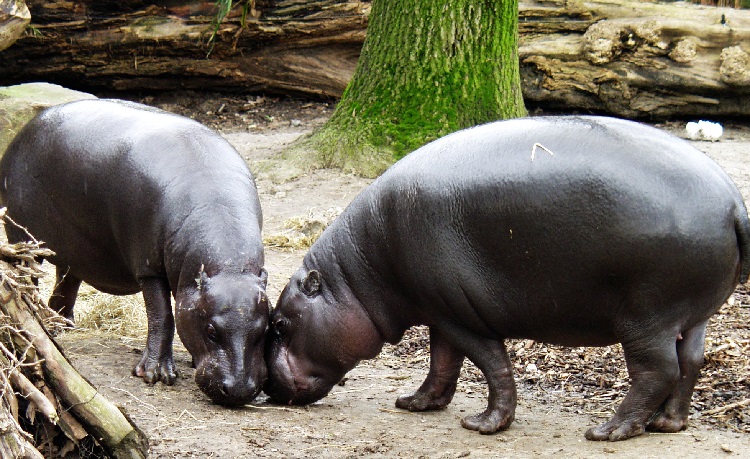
47	409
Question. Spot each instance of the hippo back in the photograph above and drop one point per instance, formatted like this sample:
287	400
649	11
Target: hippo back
90	175
581	216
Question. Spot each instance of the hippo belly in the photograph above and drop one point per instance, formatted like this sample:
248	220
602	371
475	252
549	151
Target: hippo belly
570	230
131	198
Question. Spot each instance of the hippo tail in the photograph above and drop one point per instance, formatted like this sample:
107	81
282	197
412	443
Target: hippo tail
742	229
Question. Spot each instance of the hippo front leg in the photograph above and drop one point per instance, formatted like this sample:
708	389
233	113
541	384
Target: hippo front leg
491	357
157	363
673	414
437	390
654	371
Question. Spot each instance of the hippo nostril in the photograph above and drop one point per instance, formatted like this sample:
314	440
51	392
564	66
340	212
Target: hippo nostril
224	389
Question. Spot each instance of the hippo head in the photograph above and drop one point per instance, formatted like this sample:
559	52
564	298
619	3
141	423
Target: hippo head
316	335
223	323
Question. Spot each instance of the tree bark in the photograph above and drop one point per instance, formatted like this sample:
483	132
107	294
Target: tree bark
636	60
620	57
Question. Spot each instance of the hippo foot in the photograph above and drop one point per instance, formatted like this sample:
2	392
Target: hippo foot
421	401
153	371
615	431
490	421
667	423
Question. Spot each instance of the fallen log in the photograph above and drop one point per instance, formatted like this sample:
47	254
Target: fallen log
636	59
294	47
620	57
40	387
14	17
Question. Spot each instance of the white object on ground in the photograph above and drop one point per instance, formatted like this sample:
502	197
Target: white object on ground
704	130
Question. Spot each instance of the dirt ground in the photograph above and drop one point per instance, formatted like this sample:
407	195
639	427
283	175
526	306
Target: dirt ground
562	394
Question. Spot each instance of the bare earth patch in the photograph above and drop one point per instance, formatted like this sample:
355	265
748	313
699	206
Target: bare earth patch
562	391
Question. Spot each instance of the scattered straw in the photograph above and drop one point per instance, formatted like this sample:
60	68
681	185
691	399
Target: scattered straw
301	232
122	315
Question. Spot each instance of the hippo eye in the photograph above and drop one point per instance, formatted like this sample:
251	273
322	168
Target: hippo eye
211	332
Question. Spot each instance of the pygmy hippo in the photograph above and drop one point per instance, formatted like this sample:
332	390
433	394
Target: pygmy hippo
132	198
578	231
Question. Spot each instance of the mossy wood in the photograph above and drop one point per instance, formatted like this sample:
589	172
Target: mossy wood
426	69
620	57
20	103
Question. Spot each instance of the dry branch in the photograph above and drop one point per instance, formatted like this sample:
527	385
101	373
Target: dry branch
725	408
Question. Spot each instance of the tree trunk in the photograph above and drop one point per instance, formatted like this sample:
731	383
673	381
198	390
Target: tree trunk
620	57
426	69
20	103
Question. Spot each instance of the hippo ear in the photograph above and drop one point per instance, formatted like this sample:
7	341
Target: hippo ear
264	277
311	284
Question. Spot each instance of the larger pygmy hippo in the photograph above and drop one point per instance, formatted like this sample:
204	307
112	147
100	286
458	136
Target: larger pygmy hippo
132	199
580	231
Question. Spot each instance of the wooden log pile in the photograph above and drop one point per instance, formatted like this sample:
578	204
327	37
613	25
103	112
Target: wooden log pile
47	409
621	57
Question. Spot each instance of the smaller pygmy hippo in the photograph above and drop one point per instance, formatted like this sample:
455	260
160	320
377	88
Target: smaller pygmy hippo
579	231
131	198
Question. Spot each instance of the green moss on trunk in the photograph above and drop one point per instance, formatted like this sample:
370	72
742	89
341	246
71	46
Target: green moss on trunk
426	69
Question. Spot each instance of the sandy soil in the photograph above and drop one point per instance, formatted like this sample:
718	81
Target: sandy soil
359	418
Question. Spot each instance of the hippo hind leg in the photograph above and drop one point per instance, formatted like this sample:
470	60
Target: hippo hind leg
654	371
673	414
437	390
64	294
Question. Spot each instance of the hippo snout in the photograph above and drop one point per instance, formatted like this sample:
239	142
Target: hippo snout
289	387
287	393
230	390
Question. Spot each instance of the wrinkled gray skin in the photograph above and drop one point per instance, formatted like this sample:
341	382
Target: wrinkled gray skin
132	199
624	234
